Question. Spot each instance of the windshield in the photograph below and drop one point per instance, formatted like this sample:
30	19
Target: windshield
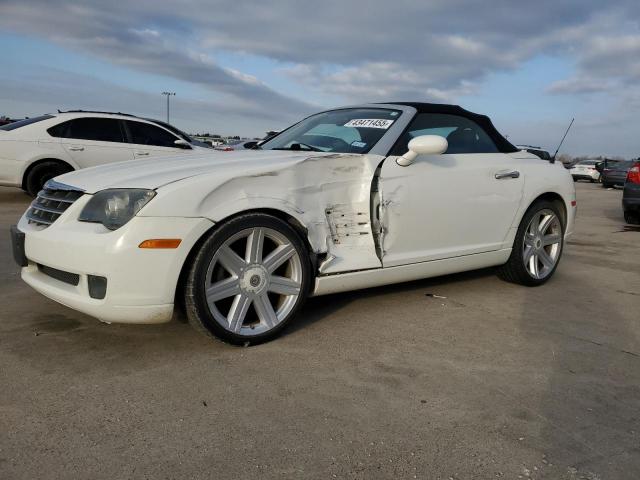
25	122
350	130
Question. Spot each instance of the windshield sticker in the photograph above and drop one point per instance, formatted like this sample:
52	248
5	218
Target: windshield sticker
369	123
359	144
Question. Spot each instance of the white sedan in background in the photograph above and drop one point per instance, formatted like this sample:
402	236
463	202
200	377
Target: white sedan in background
346	199
36	149
586	170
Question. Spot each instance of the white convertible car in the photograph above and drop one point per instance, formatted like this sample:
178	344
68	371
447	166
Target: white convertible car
349	198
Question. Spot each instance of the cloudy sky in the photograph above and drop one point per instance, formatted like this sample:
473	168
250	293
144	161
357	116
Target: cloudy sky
244	67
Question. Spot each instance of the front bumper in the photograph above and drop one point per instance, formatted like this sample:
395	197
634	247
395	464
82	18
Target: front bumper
141	283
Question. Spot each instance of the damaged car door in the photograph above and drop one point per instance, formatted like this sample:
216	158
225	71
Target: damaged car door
461	202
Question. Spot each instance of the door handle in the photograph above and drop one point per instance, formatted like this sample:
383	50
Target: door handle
142	154
76	149
502	175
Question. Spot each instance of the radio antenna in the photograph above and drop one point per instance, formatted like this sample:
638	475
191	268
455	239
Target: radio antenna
553	159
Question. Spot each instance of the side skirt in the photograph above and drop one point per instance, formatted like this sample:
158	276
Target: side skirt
343	282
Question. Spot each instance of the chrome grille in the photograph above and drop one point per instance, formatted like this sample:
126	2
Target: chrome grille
51	202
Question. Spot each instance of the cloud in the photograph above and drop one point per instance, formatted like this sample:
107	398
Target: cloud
356	50
383	81
32	92
348	52
579	85
110	34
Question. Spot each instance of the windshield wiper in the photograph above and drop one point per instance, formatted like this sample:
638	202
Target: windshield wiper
310	148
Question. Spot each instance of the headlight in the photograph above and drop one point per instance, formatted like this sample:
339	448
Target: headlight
113	208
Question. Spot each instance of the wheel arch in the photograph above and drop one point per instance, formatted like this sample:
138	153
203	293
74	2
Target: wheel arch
548	195
295	223
39	161
553	197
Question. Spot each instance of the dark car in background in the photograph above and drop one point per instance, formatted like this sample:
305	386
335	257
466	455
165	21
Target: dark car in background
631	195
614	172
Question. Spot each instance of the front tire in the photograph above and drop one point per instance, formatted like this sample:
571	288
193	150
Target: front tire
248	280
537	247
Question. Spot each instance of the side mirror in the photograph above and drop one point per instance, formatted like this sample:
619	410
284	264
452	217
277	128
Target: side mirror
423	145
180	143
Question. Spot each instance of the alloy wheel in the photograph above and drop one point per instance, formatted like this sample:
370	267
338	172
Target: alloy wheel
253	281
542	244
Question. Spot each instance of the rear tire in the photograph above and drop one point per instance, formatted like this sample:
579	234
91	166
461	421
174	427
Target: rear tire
632	218
41	173
537	247
248	280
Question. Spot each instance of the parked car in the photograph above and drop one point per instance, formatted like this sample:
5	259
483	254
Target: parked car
586	170
631	195
615	172
237	145
537	151
36	149
346	199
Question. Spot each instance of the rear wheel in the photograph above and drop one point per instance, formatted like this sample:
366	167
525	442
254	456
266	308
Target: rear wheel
537	247
41	173
248	280
632	218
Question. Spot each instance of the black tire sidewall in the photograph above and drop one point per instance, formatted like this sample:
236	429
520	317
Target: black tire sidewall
41	173
195	287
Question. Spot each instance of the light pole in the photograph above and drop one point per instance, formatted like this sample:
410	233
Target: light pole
168	94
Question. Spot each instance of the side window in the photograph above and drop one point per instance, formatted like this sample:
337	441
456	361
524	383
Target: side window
463	134
147	134
98	129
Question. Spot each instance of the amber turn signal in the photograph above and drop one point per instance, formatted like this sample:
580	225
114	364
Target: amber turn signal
161	243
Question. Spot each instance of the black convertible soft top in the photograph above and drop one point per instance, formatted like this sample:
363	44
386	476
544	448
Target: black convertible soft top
502	143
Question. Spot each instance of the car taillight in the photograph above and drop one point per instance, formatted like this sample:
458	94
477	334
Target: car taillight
633	176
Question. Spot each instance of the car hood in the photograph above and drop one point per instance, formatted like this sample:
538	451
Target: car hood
155	172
